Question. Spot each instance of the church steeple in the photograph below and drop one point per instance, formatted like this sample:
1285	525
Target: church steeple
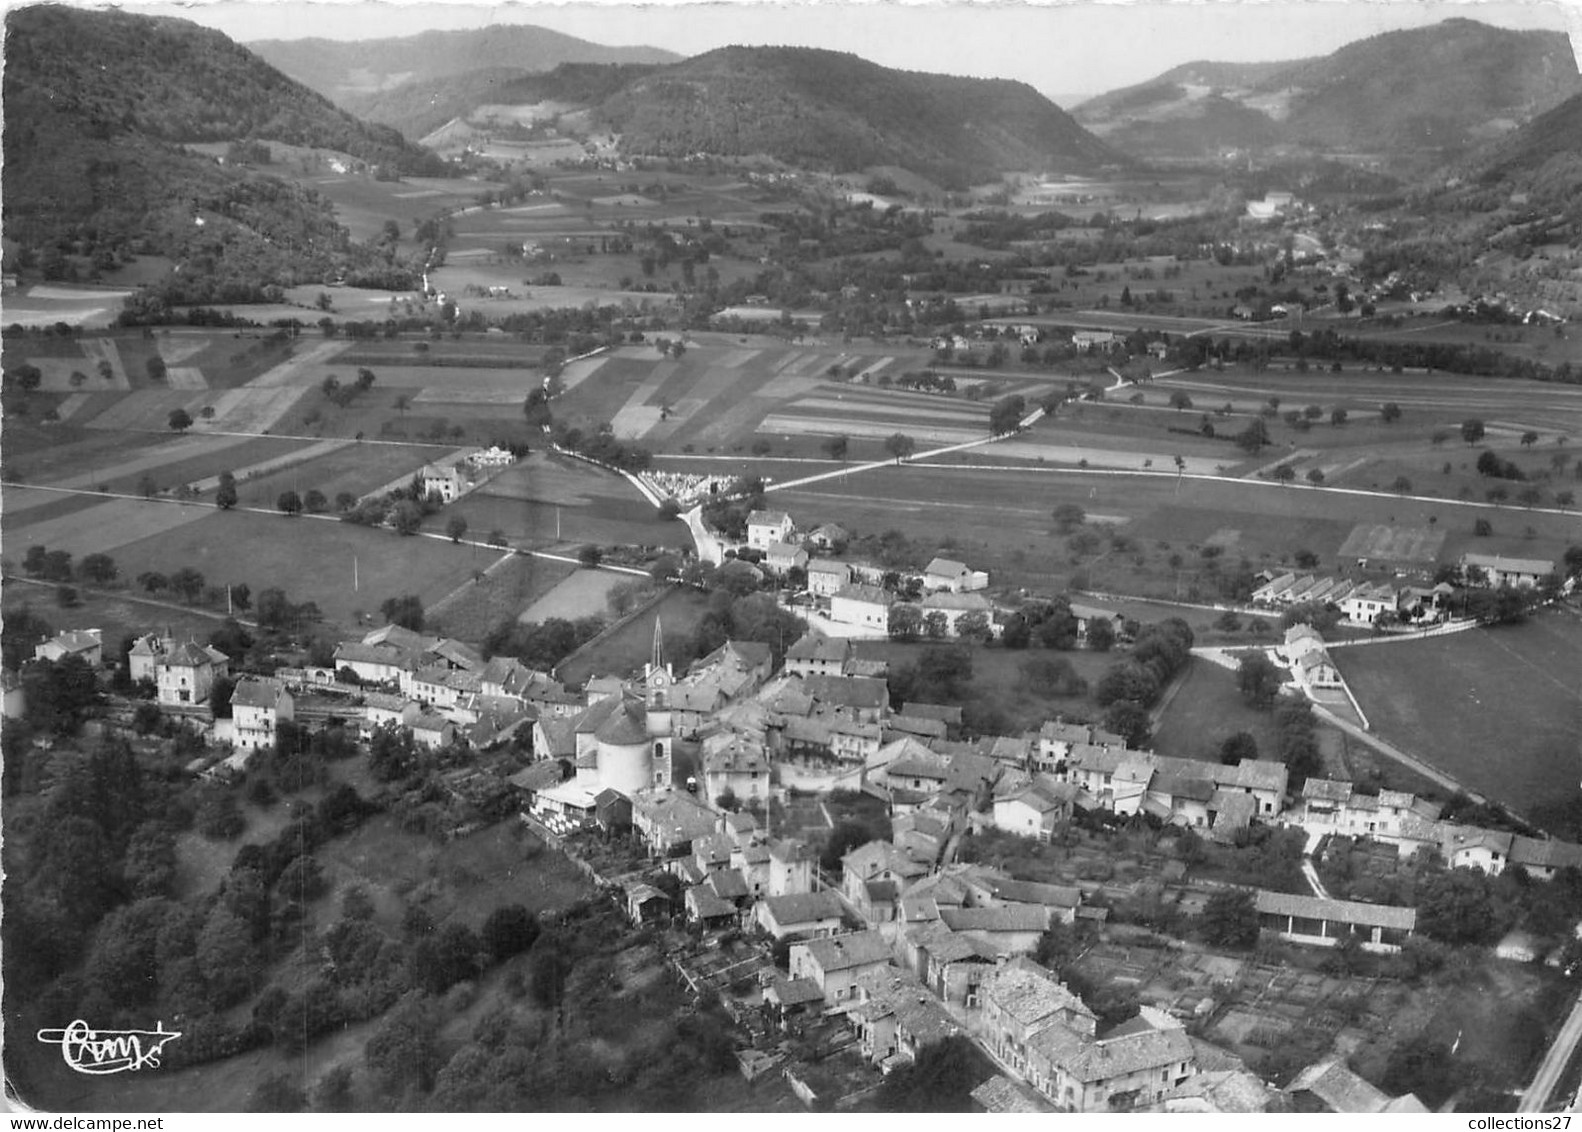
658	658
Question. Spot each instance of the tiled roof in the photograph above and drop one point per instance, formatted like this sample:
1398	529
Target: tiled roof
1087	1060
1000	1094
843	952
871	595
814	645
1545	852
804	907
257	691
1337	911
1009	918
624	728
968	603
1031	994
706	905
947	568
767	518
1339	1088
1326	790
1499	562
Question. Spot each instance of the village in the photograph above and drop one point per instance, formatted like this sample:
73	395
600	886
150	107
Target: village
815	844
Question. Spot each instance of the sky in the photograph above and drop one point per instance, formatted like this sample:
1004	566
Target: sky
1061	47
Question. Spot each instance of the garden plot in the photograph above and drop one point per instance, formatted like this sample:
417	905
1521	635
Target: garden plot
185	377
1387	543
248	410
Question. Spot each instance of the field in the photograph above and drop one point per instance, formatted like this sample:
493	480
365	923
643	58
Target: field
1498	708
312	560
584	593
630	646
549	500
117	615
508	586
999	518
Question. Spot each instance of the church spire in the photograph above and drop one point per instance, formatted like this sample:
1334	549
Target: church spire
658	659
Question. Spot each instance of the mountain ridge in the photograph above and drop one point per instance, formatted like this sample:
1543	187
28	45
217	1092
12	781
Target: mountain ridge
1439	89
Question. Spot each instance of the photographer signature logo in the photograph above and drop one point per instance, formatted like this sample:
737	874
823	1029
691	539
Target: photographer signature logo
109	1051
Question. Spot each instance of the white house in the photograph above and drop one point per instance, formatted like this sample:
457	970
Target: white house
954	606
441	481
866	606
825	576
1363	605
765	528
257	705
783	557
185	674
957	577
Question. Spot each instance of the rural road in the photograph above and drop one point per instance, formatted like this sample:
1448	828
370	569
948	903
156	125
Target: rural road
1537	1094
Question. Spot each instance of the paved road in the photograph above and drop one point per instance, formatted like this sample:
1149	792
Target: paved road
1536	1098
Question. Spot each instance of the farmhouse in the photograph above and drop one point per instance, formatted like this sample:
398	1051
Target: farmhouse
1088	615
946	574
865	606
1498	570
783	557
765	528
86	644
1035	808
1086	341
1363	605
814	654
441	481
826	575
801	915
1330	1086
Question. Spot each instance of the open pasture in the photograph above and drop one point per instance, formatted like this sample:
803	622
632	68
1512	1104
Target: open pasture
332	467
1499	708
117	614
1207	709
311	559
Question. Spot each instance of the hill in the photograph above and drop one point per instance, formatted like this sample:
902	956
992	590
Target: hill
420	106
1432	91
826	109
355	74
98	106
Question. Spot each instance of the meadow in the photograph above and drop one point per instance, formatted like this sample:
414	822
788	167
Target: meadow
629	646
1499	708
311	559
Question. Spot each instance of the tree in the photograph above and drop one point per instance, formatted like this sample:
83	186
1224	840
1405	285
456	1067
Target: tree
974	626
1007	414
188	583
1129	719
1230	919
509	930
1337	417
152	581
941	1079
99	569
1401	484
1472	430
405	611
1241	745
225	494
180	420
1180	400
1101	634
1390	412
1258	679
289	503
837	447
906	622
456	527
155	367
405	1050
226	957
589	555
1529	438
900	446
1315	476
1285	473
1068	516
1252	438
402	403
279	1092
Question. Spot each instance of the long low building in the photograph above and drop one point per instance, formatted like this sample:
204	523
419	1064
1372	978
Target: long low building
1310	919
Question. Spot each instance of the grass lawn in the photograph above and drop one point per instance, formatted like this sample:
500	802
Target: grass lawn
311	559
629	646
357	468
1499	708
1205	711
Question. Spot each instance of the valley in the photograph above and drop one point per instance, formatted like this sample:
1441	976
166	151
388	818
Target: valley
505	535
